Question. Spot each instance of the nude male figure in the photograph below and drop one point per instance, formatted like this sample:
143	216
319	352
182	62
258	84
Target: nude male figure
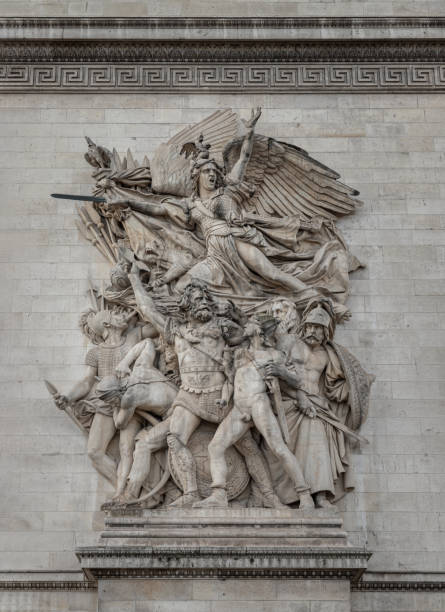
252	407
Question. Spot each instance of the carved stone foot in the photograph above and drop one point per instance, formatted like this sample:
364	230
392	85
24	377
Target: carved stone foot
218	499
108	505
306	502
273	501
185	501
119	501
321	500
149	504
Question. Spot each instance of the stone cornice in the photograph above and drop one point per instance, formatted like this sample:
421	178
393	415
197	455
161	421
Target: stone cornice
249	55
225	22
241	552
222	28
271	52
222	562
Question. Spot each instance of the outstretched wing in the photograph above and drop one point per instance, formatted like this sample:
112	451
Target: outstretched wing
290	182
172	161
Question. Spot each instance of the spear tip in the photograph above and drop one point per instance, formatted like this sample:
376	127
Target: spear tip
51	388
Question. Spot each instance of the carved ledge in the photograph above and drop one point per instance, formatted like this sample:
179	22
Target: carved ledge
91	585
379	586
261	55
155	23
252	78
222	562
48	585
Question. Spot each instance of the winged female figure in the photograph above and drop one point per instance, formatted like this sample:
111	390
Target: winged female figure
266	217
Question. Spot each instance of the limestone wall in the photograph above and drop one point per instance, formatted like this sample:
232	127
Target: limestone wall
211	8
391	147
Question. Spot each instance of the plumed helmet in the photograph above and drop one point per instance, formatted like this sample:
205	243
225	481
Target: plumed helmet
320	311
318	316
201	156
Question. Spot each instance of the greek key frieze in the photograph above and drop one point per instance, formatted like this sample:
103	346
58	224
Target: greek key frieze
299	78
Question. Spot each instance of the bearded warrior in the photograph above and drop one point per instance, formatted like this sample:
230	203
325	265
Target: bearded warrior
201	345
327	395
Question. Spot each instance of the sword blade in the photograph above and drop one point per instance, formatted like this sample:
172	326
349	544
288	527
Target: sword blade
278	403
79	198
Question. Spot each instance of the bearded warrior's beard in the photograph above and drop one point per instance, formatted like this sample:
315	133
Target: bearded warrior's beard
202	315
282	327
287	325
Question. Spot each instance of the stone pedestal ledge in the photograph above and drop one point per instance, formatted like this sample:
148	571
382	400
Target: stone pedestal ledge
218	543
105	562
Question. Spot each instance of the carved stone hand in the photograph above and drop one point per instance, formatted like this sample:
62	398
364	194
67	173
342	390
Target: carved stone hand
275	369
255	114
158	283
122	370
61	401
316	224
305	406
112	205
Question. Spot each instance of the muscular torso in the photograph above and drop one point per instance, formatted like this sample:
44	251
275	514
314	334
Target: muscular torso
249	377
305	362
200	356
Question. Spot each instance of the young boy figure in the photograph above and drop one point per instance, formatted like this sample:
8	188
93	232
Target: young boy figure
252	407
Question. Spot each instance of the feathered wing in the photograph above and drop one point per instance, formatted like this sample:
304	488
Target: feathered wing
290	182
172	161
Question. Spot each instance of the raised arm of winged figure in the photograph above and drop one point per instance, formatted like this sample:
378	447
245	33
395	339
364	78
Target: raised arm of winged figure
145	302
237	172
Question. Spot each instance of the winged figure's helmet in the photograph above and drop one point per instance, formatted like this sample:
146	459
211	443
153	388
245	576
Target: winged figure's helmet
200	152
320	311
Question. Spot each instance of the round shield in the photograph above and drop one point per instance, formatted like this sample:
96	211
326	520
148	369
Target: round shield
237	474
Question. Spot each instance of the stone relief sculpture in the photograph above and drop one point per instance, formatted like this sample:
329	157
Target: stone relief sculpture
215	379
321	382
